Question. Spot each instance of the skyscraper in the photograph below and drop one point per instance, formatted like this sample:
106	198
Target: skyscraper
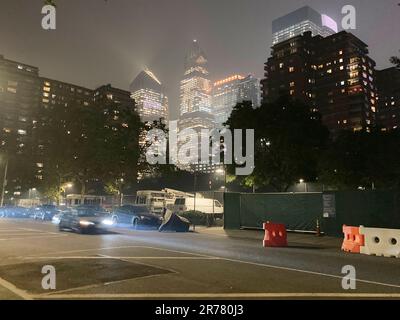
334	75
195	98
300	21
19	102
232	90
151	102
195	88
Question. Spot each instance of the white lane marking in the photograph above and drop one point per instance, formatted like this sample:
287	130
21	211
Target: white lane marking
121	258
116	248
215	295
26	234
287	269
12	230
9	286
35	237
311	272
256	264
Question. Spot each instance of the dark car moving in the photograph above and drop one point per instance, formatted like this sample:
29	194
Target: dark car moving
85	219
136	216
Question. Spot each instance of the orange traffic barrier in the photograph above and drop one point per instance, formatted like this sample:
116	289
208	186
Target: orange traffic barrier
353	240
275	235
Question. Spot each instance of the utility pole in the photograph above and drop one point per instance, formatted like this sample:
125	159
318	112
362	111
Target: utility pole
194	188
3	189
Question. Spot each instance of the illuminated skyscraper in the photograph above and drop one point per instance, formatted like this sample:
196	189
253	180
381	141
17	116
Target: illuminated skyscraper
232	90
151	102
195	92
195	97
300	21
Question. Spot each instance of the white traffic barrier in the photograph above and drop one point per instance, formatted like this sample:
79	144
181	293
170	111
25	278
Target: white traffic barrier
381	242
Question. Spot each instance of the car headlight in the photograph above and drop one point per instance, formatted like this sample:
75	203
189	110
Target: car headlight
107	222
86	223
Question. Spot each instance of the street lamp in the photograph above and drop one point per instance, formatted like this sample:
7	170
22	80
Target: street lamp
221	171
4	185
301	181
65	187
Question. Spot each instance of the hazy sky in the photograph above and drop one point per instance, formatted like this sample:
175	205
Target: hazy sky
99	42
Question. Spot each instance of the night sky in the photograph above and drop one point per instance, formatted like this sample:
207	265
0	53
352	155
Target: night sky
99	42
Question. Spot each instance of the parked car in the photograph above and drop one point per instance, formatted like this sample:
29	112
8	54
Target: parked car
85	219
136	216
14	212
45	212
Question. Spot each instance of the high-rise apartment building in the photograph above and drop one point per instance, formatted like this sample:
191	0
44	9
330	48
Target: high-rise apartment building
300	21
151	102
231	91
333	75
19	103
388	83
109	95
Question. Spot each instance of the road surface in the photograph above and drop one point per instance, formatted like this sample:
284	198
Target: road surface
206	264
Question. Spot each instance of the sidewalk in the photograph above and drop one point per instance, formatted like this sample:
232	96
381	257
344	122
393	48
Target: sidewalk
294	239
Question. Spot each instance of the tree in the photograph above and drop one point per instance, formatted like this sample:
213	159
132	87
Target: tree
395	61
84	144
288	141
362	159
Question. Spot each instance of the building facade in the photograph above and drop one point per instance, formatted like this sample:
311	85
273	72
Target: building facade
19	103
195	87
300	21
333	75
231	91
195	101
388	83
151	102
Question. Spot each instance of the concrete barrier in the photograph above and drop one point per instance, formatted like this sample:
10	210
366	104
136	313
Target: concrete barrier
380	242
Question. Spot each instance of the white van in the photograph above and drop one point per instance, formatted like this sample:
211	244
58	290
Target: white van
208	206
156	201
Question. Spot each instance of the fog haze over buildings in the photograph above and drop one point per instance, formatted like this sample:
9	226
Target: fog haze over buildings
114	41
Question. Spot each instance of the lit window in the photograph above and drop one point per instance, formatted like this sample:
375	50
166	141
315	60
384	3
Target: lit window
291	69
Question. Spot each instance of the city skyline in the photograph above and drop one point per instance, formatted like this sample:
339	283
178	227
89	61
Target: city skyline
123	53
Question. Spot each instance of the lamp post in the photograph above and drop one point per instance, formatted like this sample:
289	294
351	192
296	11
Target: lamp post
65	187
4	185
222	171
301	181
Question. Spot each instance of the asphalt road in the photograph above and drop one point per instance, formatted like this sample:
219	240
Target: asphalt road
207	264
